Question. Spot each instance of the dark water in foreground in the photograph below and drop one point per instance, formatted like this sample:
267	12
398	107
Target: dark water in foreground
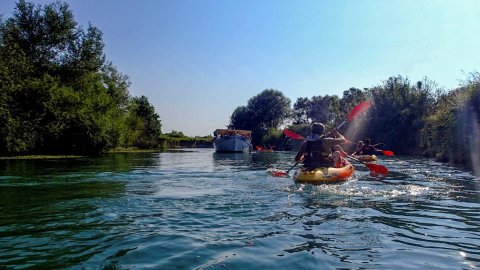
195	209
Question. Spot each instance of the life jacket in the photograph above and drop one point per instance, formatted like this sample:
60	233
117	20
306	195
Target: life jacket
368	150
315	156
341	163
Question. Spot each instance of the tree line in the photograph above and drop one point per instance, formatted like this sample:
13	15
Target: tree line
59	94
409	118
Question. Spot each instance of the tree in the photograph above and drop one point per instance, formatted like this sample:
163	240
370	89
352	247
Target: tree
58	94
351	98
452	129
144	123
324	109
301	110
399	113
241	118
269	109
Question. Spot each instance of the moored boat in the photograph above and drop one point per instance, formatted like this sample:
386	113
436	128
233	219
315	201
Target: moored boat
324	175
232	140
366	158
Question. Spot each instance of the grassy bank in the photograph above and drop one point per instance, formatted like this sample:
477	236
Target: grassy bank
41	157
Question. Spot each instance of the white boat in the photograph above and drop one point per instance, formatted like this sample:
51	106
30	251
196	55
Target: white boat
232	140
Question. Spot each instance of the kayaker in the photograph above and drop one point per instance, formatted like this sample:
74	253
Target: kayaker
358	149
368	149
316	150
342	162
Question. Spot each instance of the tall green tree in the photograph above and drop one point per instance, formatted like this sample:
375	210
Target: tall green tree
301	111
324	109
399	112
269	109
241	118
58	94
351	98
144	123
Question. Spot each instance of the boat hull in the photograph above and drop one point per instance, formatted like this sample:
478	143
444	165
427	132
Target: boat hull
233	143
366	158
324	175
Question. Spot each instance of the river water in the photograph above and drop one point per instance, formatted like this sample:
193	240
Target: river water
196	209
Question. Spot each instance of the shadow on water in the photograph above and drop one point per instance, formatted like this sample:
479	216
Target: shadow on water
56	213
114	162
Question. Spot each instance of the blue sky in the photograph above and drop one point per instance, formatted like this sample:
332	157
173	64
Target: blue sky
197	60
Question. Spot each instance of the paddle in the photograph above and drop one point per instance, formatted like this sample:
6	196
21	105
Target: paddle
373	167
361	107
293	135
387	153
280	173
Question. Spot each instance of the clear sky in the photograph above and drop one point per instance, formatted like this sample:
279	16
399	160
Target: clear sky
197	60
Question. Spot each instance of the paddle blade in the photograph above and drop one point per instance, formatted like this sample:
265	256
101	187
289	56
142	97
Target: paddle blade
387	153
292	135
377	168
361	107
277	173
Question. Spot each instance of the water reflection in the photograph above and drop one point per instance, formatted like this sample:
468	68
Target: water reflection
113	162
253	161
235	161
59	208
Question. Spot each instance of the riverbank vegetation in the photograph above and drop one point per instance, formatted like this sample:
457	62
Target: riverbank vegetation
409	118
59	94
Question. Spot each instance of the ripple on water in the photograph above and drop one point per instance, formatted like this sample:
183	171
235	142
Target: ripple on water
198	210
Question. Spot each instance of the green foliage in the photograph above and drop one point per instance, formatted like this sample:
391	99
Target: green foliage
267	110
452	129
57	92
145	123
399	113
241	118
175	140
329	110
272	137
303	129
176	134
301	110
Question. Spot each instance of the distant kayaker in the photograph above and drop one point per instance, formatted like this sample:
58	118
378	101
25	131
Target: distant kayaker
316	150
358	148
365	148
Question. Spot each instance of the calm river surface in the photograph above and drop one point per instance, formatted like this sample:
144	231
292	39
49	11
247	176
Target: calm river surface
196	209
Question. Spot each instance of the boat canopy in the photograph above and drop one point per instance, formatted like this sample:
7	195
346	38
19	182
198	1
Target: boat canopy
223	132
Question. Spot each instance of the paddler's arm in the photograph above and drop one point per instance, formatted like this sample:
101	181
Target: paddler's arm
330	142
301	151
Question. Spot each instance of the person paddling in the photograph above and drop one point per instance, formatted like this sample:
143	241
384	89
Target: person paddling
365	148
316	150
358	149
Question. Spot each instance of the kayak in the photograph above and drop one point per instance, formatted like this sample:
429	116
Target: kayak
366	158
324	175
265	150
